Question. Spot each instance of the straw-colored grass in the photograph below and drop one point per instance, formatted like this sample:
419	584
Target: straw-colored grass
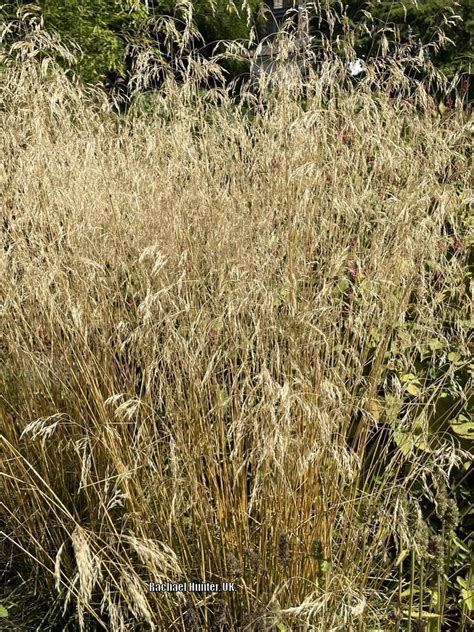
206	310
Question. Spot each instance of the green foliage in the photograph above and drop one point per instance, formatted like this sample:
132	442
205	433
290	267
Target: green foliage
99	27
420	22
229	295
95	30
221	21
99	30
102	28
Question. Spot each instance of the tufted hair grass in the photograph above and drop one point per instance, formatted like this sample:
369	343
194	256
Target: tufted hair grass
200	302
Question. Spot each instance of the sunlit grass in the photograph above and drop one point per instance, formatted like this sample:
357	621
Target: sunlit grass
203	311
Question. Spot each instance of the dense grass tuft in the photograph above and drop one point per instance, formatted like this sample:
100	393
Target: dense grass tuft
225	332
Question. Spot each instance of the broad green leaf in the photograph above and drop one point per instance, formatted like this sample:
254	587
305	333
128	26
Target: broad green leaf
403	555
467	592
414	438
343	285
392	409
462	581
435	344
403	441
459	543
463	427
442	108
412	388
3	612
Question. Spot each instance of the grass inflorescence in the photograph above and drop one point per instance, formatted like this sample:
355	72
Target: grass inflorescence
234	347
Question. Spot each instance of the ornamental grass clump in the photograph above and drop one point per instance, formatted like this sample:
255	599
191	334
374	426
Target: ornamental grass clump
232	350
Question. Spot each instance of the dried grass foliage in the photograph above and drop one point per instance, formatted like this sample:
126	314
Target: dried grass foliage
180	372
